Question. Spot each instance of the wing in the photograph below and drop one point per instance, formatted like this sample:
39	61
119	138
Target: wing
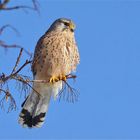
37	55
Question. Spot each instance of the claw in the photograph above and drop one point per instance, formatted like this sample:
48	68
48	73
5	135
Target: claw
53	79
62	77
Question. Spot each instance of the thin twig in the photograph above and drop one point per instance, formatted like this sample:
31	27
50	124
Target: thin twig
3	91
5	79
3	6
16	72
44	81
26	63
21	79
4	45
6	97
10	26
71	96
17	62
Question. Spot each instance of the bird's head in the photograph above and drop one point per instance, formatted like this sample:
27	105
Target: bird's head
62	24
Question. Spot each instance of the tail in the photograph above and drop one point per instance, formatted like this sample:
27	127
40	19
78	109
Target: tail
36	105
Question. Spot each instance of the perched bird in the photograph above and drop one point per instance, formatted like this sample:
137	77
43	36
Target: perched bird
56	55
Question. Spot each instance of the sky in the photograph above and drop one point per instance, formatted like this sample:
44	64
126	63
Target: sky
108	77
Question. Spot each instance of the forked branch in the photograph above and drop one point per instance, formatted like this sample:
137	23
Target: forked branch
27	83
4	6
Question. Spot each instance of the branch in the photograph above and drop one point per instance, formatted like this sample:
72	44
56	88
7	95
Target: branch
6	97
14	73
4	80
25	81
72	94
4	45
42	81
6	26
3	6
68	93
17	62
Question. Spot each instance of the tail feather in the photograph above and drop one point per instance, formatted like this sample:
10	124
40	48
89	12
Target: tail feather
35	108
36	105
33	113
29	121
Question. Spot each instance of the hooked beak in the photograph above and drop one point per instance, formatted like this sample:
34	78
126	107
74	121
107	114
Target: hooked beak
72	26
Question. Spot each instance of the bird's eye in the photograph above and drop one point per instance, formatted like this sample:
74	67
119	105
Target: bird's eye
66	23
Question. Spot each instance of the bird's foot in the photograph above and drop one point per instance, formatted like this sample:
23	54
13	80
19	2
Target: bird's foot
62	77
54	79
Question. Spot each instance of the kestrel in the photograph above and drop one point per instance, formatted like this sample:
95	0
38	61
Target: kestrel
56	55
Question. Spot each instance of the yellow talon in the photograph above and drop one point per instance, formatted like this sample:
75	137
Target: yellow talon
62	77
53	79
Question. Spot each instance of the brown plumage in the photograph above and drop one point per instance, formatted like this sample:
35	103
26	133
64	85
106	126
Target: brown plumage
56	55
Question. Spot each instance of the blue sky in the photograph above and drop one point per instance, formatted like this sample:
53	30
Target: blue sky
108	37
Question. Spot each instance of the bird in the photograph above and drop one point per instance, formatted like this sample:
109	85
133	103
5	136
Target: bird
56	55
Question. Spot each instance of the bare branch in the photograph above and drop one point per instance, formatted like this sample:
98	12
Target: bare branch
36	5
12	103
11	76
22	79
5	46
45	81
17	62
4	78
4	3
68	93
6	26
72	94
3	6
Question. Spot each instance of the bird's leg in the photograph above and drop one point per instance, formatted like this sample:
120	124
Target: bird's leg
62	77
54	79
